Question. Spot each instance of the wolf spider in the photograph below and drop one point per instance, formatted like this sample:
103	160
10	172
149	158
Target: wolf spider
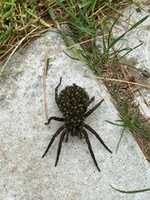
73	102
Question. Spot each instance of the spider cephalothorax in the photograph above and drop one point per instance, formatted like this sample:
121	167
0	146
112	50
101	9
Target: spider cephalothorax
73	102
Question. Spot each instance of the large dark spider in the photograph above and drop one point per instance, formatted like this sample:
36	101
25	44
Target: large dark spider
73	102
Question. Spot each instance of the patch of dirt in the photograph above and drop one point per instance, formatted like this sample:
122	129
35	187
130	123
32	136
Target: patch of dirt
144	145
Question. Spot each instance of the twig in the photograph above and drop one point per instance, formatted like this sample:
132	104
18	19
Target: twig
120	81
45	69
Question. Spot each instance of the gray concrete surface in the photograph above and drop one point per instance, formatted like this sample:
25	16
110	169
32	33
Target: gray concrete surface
24	137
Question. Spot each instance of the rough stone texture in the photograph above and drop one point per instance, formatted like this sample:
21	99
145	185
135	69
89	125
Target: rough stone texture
24	137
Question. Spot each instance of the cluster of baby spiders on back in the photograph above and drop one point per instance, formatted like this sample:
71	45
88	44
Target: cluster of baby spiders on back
73	102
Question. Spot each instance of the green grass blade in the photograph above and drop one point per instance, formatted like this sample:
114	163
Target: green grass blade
134	26
131	49
113	123
111	29
119	141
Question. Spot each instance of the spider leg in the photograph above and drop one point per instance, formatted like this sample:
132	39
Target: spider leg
73	132
79	133
91	100
93	109
59	146
52	139
54	118
90	148
56	90
97	136
67	136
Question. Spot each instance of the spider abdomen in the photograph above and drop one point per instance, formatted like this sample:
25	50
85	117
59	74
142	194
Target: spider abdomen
73	102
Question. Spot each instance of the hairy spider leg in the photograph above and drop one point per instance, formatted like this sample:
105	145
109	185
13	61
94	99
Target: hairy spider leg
91	100
52	139
67	136
93	109
60	119
56	90
79	133
59	146
90	148
97	136
73	132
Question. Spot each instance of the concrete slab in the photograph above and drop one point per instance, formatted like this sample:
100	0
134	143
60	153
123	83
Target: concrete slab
24	137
